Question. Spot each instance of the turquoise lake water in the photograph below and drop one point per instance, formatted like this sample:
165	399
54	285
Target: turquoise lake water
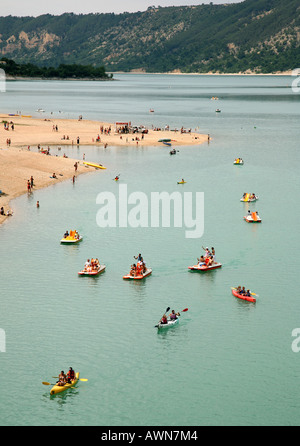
228	362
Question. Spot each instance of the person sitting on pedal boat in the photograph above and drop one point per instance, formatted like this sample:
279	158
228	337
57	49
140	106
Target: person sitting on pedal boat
133	269
211	261
201	261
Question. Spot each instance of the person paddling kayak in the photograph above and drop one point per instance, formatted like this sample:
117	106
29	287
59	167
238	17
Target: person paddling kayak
70	375
173	315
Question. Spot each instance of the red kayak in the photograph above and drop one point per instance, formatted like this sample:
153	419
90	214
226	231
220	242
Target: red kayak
241	296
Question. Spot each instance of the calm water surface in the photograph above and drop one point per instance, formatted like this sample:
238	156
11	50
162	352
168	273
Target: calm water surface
228	362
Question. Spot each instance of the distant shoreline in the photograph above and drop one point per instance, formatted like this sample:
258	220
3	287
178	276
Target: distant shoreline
174	73
26	78
29	78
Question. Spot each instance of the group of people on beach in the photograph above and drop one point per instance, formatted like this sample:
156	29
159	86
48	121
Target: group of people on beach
91	265
242	291
66	379
138	268
30	184
208	259
8	213
7	124
106	131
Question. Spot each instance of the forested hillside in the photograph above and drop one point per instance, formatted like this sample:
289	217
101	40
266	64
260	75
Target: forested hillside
254	35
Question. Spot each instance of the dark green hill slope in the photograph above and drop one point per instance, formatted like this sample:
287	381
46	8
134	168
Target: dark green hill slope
256	35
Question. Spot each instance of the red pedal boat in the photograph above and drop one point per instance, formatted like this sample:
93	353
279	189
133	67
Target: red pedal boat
138	276
205	268
92	272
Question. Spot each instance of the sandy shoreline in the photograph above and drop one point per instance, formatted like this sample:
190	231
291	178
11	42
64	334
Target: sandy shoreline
18	163
209	73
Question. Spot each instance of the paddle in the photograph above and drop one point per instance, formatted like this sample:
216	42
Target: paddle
49	384
80	379
253	294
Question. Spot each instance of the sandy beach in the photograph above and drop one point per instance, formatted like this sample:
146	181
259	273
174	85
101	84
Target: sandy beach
18	162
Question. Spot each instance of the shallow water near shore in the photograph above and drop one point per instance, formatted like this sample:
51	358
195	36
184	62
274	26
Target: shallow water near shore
228	362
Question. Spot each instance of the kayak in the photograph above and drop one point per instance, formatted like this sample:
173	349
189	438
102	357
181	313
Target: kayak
205	268
238	163
181	182
165	140
58	389
93	272
140	276
167	143
241	296
169	324
70	240
98	166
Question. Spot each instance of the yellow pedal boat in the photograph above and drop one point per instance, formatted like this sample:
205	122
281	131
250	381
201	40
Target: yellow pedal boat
72	238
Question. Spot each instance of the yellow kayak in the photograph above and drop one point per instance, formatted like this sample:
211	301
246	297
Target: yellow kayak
181	182
58	389
98	166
